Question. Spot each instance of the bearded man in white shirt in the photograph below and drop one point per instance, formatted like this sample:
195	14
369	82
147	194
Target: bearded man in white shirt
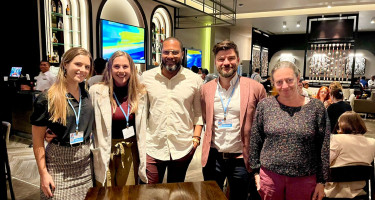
45	79
174	121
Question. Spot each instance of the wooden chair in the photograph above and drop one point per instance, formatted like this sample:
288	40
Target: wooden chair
5	131
354	173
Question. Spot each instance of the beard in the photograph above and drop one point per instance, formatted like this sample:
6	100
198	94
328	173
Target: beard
171	68
228	74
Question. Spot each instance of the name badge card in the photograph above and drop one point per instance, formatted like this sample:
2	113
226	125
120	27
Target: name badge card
128	132
76	137
224	123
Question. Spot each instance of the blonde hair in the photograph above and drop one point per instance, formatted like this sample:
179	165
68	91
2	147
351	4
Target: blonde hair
135	88
57	100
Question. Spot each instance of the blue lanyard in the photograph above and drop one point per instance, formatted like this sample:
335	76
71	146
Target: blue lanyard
79	108
122	110
230	97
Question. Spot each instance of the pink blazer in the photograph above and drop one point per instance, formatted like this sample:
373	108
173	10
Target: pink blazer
251	93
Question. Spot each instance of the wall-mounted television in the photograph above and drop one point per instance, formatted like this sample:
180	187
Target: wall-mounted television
193	57
332	29
117	36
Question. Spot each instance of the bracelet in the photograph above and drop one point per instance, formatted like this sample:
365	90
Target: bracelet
195	136
196	140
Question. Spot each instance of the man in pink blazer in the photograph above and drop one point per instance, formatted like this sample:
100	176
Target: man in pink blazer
228	107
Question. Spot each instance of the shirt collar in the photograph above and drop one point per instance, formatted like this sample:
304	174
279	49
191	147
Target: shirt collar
232	81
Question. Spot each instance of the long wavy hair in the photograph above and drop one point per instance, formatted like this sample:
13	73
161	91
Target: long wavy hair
57	100
135	88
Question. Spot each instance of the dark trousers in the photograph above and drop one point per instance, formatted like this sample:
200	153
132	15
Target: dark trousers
218	168
155	169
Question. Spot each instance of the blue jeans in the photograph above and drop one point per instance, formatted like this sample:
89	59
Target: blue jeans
234	169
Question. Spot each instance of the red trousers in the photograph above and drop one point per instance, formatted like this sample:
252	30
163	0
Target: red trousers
274	186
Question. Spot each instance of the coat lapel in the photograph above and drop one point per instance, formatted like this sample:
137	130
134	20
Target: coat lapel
105	107
244	96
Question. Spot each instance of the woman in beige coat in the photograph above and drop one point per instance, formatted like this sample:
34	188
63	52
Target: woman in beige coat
349	147
119	103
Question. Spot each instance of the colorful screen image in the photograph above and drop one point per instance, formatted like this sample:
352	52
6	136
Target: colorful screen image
15	72
193	57
117	36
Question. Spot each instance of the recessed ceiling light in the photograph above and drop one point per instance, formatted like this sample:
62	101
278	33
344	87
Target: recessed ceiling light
240	4
284	24
372	20
298	24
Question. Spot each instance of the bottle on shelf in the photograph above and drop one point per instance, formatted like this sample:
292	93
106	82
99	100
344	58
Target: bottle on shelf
53	4
67	10
60	25
56	57
59	7
162	30
54	38
49	57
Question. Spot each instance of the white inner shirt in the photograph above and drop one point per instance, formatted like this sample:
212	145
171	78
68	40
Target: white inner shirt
227	139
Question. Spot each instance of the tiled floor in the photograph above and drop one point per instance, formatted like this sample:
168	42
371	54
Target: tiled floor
25	175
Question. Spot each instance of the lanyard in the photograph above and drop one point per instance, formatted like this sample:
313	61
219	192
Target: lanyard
79	108
230	97
122	110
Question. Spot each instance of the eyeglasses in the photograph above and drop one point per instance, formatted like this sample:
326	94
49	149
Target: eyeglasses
174	52
324	92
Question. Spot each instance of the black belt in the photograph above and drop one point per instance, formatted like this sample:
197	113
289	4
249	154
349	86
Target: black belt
67	144
228	155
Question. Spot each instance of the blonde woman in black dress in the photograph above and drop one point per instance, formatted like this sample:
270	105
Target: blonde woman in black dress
66	111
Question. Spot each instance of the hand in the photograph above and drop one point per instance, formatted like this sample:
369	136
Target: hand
257	181
46	184
319	192
49	135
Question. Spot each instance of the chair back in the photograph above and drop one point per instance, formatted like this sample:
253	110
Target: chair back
354	173
351	173
6	128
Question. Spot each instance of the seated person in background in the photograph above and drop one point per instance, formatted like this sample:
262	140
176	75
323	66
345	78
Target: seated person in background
302	90
335	85
337	107
371	82
99	65
363	82
195	69
323	96
349	147
306	85
358	89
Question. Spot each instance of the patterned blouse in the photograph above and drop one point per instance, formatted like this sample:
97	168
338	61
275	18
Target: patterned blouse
291	141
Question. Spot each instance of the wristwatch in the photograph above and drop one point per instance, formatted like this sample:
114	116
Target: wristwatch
196	140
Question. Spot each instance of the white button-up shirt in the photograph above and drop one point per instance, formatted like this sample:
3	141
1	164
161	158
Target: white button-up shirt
227	140
44	80
174	108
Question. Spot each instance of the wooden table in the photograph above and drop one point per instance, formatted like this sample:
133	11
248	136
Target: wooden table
204	190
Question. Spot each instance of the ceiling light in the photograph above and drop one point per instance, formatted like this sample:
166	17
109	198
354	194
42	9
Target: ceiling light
372	20
284	24
298	24
240	5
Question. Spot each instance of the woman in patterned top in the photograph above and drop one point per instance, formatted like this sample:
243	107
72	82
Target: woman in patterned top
289	144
